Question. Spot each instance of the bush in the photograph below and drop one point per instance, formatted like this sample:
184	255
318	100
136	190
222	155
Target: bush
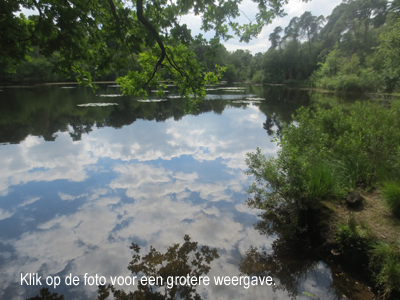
391	195
325	153
385	262
350	239
257	77
343	74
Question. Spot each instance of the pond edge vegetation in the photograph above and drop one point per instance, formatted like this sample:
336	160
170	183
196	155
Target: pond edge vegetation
327	154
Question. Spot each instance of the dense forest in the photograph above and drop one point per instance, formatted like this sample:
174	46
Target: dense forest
353	49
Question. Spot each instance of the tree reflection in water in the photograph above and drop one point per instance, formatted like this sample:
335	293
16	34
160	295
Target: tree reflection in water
289	263
271	121
178	260
46	295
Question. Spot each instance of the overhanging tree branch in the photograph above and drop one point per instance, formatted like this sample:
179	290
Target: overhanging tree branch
143	20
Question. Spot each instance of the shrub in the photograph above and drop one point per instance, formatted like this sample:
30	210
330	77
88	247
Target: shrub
385	263
324	153
353	241
391	195
342	73
257	77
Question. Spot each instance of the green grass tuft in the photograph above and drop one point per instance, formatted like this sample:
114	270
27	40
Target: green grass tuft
385	262
326	180
391	194
321	182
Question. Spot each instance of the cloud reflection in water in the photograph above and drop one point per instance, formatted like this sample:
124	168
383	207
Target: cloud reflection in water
77	205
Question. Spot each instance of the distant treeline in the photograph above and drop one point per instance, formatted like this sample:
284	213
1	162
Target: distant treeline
356	48
54	109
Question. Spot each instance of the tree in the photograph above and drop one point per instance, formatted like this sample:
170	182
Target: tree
389	50
275	38
292	30
309	26
350	24
92	32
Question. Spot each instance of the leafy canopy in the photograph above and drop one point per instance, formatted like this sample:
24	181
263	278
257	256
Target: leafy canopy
94	32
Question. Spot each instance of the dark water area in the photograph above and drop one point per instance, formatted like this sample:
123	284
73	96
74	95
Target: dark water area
84	175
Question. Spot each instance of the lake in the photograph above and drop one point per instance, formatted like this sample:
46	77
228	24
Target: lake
84	175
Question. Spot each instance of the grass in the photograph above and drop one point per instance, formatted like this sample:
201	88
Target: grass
321	182
385	262
350	238
384	258
375	233
326	180
391	195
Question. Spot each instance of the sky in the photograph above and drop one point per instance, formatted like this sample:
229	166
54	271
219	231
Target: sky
294	8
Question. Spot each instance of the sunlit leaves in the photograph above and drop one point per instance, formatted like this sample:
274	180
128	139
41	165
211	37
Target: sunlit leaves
103	35
179	66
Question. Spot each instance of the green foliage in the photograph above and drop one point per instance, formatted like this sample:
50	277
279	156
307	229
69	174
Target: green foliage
351	239
385	262
325	181
96	37
188	76
391	194
257	77
325	153
352	60
309	295
389	50
106	43
341	73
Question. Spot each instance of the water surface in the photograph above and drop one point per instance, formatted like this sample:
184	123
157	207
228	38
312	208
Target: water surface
80	182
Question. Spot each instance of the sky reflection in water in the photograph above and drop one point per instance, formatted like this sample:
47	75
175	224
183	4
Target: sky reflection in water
76	203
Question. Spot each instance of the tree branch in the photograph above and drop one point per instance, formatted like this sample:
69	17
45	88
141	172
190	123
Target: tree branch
114	13
143	20
40	20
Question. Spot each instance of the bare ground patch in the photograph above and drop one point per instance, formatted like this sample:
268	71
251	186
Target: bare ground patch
372	214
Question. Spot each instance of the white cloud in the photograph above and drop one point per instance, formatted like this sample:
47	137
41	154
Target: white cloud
29	201
294	8
5	214
66	197
37	160
205	139
96	238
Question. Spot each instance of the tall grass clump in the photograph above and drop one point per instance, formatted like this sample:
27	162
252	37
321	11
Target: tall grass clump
385	263
391	195
326	180
321	181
